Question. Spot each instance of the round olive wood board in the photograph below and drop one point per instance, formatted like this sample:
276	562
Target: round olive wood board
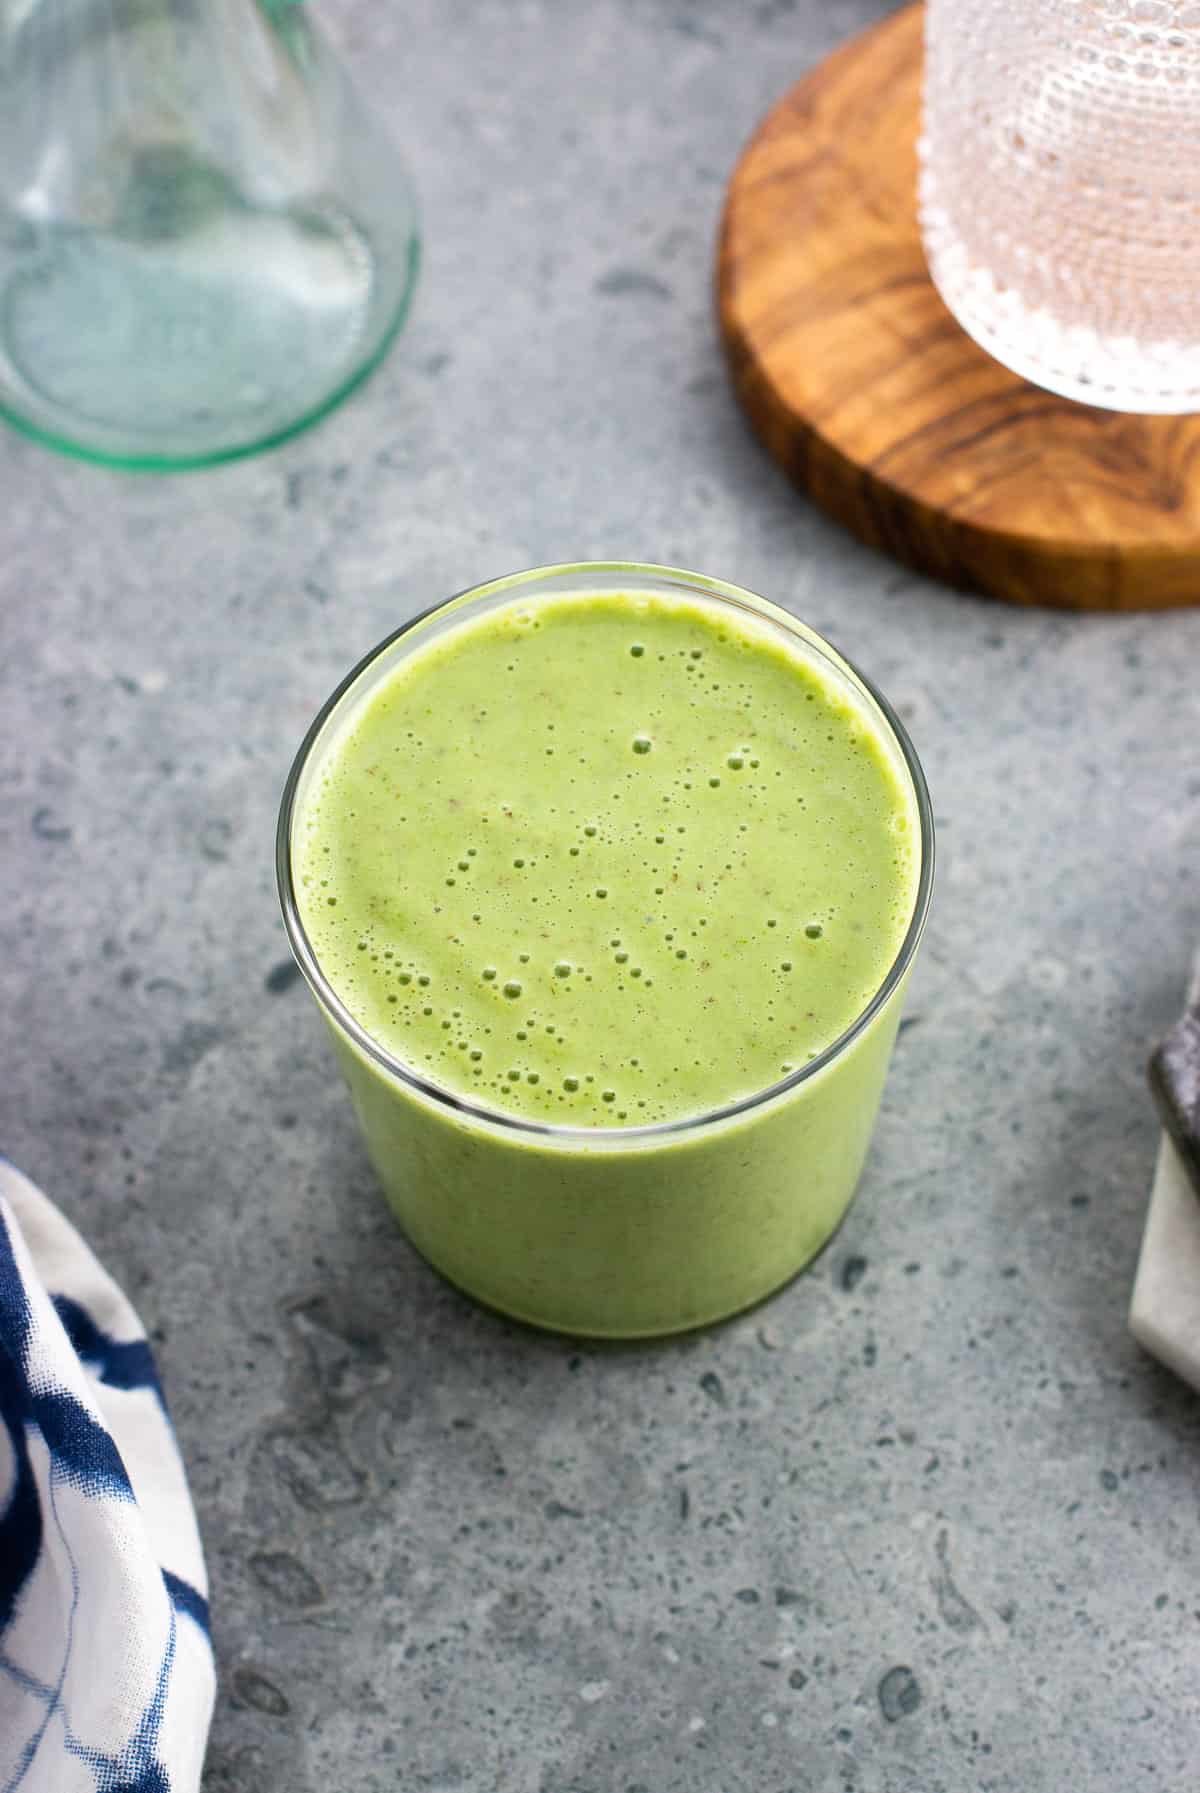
865	389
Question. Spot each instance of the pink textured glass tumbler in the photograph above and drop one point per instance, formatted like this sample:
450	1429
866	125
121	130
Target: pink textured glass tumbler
1060	191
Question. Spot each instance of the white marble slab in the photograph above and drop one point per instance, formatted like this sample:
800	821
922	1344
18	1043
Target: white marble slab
1164	1314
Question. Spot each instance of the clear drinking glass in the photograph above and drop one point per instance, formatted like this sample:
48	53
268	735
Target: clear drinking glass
624	1231
205	240
1060	190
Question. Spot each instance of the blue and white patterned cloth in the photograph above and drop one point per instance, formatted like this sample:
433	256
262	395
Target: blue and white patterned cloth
106	1668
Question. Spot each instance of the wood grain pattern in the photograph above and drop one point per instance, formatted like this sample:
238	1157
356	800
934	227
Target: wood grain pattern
879	406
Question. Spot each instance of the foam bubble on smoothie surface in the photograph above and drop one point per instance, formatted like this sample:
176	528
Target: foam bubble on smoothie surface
607	858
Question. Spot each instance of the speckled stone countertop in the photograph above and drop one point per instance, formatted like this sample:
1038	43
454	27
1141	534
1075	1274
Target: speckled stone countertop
928	1520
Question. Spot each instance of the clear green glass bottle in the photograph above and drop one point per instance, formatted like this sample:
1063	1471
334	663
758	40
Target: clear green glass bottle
205	240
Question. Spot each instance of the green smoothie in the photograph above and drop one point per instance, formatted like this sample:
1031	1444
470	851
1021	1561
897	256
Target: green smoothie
583	869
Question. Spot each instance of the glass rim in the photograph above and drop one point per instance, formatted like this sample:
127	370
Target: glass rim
424	1088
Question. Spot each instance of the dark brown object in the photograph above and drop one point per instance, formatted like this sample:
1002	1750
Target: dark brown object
877	404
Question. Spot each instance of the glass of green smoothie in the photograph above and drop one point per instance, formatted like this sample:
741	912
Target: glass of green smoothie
608	880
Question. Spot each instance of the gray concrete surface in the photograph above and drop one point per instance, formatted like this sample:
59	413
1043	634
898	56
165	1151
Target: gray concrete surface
928	1520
